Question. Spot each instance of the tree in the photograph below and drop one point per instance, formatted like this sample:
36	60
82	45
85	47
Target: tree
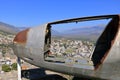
6	68
14	66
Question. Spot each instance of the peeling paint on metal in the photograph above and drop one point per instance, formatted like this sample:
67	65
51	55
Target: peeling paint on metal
21	37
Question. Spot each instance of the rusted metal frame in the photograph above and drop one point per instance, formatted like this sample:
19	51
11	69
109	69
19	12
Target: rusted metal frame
83	19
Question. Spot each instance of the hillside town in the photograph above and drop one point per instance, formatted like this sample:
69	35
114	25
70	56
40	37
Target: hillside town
72	48
7	56
6	51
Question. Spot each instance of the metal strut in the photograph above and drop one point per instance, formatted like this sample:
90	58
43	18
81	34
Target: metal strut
19	68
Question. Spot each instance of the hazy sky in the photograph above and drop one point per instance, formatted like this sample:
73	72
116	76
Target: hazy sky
22	13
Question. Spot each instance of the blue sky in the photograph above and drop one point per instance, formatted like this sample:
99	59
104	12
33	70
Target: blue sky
30	13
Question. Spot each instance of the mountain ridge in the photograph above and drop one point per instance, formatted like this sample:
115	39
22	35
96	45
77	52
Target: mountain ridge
8	28
89	33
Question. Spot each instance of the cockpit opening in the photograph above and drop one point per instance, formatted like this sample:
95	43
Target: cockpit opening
81	43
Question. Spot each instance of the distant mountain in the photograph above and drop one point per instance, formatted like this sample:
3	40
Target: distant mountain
8	28
86	33
90	33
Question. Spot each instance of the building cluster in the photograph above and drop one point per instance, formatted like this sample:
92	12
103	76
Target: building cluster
6	52
72	48
6	38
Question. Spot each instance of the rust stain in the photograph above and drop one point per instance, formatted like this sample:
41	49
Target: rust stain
21	37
